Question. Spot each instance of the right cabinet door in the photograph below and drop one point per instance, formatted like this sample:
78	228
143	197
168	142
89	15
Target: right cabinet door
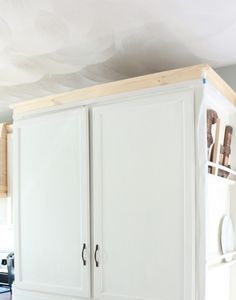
143	198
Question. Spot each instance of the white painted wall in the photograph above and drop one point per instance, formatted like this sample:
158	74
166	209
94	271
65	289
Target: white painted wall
228	74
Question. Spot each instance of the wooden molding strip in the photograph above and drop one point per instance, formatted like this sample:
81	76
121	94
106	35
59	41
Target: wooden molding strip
9	128
131	84
3	159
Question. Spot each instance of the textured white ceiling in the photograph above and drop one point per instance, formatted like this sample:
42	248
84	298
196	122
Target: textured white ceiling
52	46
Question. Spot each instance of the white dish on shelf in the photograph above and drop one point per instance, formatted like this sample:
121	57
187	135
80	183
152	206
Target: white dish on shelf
227	238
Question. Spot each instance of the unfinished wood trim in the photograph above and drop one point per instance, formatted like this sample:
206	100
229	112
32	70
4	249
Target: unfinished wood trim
9	128
128	85
3	159
111	88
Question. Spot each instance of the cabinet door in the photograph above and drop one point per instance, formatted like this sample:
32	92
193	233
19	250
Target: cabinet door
143	198
52	203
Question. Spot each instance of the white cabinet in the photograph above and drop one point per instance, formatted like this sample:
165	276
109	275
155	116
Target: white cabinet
143	228
52	198
116	175
142	235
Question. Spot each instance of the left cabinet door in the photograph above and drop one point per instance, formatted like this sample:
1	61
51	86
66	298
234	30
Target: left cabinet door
51	191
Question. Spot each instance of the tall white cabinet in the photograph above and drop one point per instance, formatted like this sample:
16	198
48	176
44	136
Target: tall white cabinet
109	190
